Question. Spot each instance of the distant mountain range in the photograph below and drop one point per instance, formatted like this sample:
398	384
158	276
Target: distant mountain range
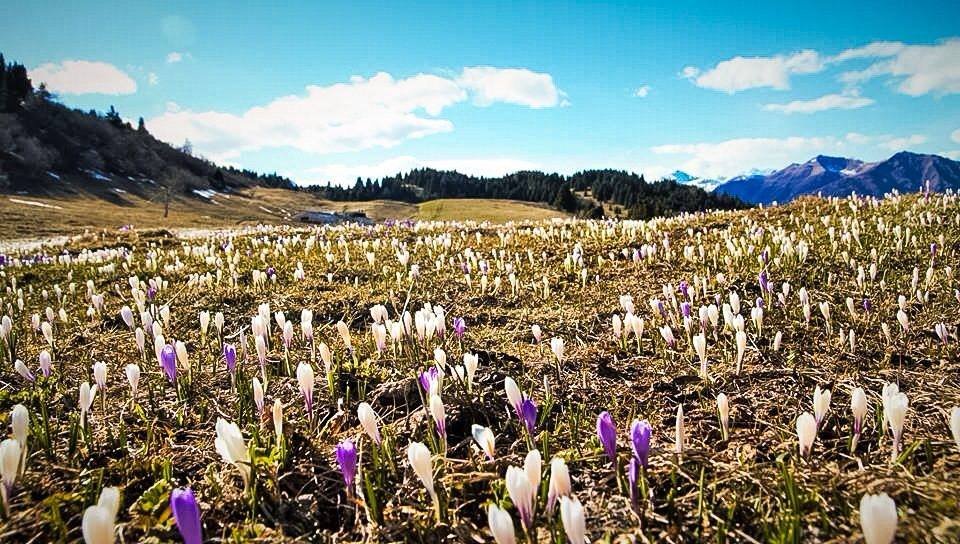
837	176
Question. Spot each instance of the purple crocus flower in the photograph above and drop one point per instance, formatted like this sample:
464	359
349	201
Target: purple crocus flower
459	327
168	361
764	282
347	461
867	305
663	311
528	413
607	433
640	432
271	272
683	289
151	293
230	356
760	302
428	377
765	256
933	250
633	477
685	309
186	513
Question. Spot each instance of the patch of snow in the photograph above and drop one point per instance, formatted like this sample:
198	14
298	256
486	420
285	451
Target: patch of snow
118	190
35	203
52	175
849	172
205	193
97	175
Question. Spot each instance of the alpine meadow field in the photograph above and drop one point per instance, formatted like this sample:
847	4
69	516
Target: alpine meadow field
778	374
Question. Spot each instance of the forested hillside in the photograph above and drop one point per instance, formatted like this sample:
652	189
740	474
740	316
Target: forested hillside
583	192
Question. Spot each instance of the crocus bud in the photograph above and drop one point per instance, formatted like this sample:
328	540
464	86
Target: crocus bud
100	374
572	517
368	420
559	482
640	434
528	414
277	414
347	461
514	396
127	315
521	494
23	371
485	439
232	448
168	361
537	333
470	362
723	409
878	518
46	364
258	395
186	514
557	345
501	525
98	525
345	335
806	433
133	378
858	405
895	412
10	454
607	433
821	404
439	415
419	457
305	379
230	357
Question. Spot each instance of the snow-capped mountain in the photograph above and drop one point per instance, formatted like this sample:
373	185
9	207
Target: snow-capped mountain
840	176
687	179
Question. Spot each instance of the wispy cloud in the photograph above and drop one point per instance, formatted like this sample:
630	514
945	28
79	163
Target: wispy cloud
850	100
916	69
174	57
83	77
903	142
732	157
642	91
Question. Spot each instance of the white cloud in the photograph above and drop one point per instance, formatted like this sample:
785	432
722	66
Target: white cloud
732	157
344	174
83	77
845	101
174	57
918	69
152	78
871	50
741	73
642	92
902	143
511	85
379	111
955	154
857	138
955	136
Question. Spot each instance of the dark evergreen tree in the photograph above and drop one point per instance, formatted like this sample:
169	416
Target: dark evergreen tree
142	128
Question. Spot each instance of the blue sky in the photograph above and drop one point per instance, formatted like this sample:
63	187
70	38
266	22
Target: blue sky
329	91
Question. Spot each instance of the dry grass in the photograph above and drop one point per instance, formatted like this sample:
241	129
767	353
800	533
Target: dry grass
752	486
38	217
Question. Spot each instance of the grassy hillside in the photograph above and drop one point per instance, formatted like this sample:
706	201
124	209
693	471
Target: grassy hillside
28	216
